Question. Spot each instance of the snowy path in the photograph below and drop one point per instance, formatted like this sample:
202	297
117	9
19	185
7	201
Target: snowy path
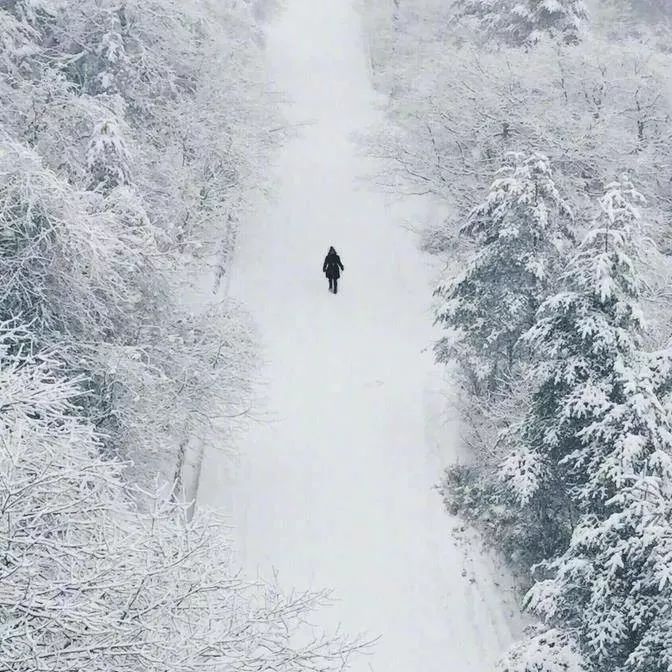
335	489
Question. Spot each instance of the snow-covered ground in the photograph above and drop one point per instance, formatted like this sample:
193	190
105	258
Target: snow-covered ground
335	483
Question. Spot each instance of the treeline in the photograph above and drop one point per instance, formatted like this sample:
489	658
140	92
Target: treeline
557	321
131	135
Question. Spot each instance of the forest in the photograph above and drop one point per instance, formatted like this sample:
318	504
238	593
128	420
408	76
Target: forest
541	129
136	137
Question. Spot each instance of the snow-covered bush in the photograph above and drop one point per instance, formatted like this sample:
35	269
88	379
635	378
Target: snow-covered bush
476	495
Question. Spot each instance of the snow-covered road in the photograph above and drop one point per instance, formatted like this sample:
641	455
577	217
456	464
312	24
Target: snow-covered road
335	487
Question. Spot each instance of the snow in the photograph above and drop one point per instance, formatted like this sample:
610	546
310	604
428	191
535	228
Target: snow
334	486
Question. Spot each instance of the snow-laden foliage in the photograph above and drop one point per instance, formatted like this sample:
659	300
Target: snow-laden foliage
89	582
549	651
599	437
78	275
558	18
131	134
195	368
525	22
583	337
171	87
613	583
70	267
519	233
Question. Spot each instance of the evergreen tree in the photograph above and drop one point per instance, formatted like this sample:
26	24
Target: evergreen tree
558	18
613	585
519	232
526	22
580	335
489	16
597	448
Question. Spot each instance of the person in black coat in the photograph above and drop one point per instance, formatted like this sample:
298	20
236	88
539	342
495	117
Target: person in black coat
332	267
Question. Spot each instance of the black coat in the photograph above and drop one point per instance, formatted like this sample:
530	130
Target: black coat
332	265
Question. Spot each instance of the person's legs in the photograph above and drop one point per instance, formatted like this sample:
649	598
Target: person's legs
335	285
331	284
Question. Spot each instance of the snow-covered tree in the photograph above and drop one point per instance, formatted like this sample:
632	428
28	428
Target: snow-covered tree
613	585
74	272
581	336
179	84
519	232
594	108
527	21
558	18
459	108
596	453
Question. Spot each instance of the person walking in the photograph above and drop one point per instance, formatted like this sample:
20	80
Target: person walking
332	267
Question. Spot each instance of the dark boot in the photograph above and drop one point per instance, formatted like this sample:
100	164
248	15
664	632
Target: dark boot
335	286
